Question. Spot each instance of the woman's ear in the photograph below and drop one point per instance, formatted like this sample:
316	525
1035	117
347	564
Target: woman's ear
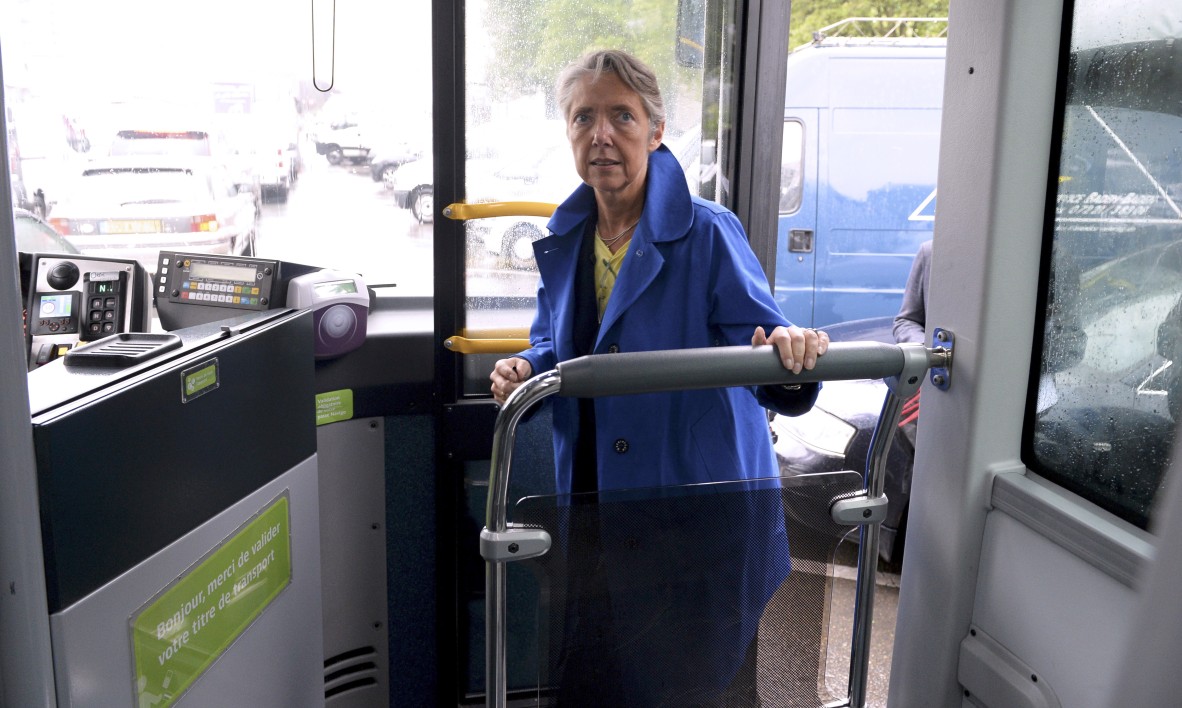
658	133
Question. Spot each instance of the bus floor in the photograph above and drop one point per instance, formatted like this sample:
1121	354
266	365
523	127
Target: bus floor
882	629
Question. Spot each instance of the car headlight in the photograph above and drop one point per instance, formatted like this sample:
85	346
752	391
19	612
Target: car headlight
818	430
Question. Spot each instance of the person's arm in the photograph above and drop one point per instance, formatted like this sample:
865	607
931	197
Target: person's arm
742	301
912	317
508	374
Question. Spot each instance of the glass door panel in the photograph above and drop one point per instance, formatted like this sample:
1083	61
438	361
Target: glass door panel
516	140
660	597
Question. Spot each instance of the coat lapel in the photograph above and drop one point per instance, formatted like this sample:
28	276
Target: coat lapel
668	215
557	257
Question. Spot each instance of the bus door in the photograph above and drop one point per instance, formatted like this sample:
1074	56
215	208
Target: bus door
1040	480
499	138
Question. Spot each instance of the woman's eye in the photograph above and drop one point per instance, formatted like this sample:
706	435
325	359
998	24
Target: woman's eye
627	117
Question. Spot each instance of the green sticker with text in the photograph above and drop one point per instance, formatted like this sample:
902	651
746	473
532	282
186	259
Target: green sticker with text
190	623
332	406
198	380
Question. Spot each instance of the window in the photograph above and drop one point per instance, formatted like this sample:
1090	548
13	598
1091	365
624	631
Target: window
1109	382
231	82
517	144
792	167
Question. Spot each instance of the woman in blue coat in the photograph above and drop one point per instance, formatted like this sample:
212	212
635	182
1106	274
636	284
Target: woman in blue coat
634	262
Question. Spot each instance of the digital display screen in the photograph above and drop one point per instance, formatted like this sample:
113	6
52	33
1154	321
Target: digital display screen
201	270
336	287
56	305
104	287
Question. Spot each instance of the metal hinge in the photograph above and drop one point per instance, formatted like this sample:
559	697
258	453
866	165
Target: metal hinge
515	543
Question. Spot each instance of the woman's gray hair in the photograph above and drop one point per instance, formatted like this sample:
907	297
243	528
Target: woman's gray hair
635	74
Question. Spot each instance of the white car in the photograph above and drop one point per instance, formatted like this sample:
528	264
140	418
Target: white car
411	185
136	206
548	176
180	138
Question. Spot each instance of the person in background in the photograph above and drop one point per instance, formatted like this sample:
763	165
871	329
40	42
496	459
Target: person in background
636	263
910	326
909	323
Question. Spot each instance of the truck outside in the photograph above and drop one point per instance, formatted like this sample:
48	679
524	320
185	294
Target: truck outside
858	180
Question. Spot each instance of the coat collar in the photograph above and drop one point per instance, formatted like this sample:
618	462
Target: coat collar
668	215
668	209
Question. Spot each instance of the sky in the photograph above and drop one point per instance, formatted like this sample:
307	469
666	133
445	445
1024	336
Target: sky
99	51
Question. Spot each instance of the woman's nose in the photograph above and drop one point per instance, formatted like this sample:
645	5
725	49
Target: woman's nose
601	135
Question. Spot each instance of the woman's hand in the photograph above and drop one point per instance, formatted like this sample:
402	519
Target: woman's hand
798	348
507	375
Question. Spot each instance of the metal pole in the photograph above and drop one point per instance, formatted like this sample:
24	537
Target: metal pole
917	360
496	520
868	551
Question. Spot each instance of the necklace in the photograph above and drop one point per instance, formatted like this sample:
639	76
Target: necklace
609	241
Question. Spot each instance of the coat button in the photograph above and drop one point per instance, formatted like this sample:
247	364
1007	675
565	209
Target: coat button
613	349
621	446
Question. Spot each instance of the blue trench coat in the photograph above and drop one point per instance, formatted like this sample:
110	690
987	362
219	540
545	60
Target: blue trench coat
689	280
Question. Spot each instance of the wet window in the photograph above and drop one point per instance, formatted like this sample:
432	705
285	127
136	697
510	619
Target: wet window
1109	385
301	166
517	146
792	167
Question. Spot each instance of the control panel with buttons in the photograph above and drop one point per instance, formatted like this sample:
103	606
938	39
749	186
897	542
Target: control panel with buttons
76	298
187	285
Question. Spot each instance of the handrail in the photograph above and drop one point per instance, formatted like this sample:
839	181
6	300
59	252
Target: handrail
467	345
902	366
489	340
461	211
716	367
492	343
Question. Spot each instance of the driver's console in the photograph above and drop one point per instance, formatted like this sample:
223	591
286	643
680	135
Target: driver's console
75	299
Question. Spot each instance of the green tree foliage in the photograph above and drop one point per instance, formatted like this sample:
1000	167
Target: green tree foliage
534	39
809	16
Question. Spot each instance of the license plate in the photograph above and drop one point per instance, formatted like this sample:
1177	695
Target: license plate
136	226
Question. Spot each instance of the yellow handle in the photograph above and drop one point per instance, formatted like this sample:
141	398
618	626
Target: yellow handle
488	210
464	345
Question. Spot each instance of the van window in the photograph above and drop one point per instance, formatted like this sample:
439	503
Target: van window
792	167
1107	393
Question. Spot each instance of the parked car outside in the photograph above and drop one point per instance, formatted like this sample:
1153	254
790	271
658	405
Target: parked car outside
276	164
136	206
412	186
35	235
507	162
346	139
386	158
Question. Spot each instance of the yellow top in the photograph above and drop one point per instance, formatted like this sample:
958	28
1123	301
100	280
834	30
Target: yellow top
607	268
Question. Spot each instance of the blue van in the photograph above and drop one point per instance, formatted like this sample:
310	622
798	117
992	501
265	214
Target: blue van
858	179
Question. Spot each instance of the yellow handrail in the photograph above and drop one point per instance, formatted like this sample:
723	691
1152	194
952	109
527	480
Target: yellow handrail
509	341
464	345
488	210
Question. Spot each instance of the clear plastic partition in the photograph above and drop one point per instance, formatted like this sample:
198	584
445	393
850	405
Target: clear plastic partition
700	595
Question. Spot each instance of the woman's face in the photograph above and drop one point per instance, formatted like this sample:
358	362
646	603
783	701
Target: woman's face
611	136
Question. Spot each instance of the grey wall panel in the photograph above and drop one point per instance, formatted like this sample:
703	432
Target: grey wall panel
276	662
353	562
